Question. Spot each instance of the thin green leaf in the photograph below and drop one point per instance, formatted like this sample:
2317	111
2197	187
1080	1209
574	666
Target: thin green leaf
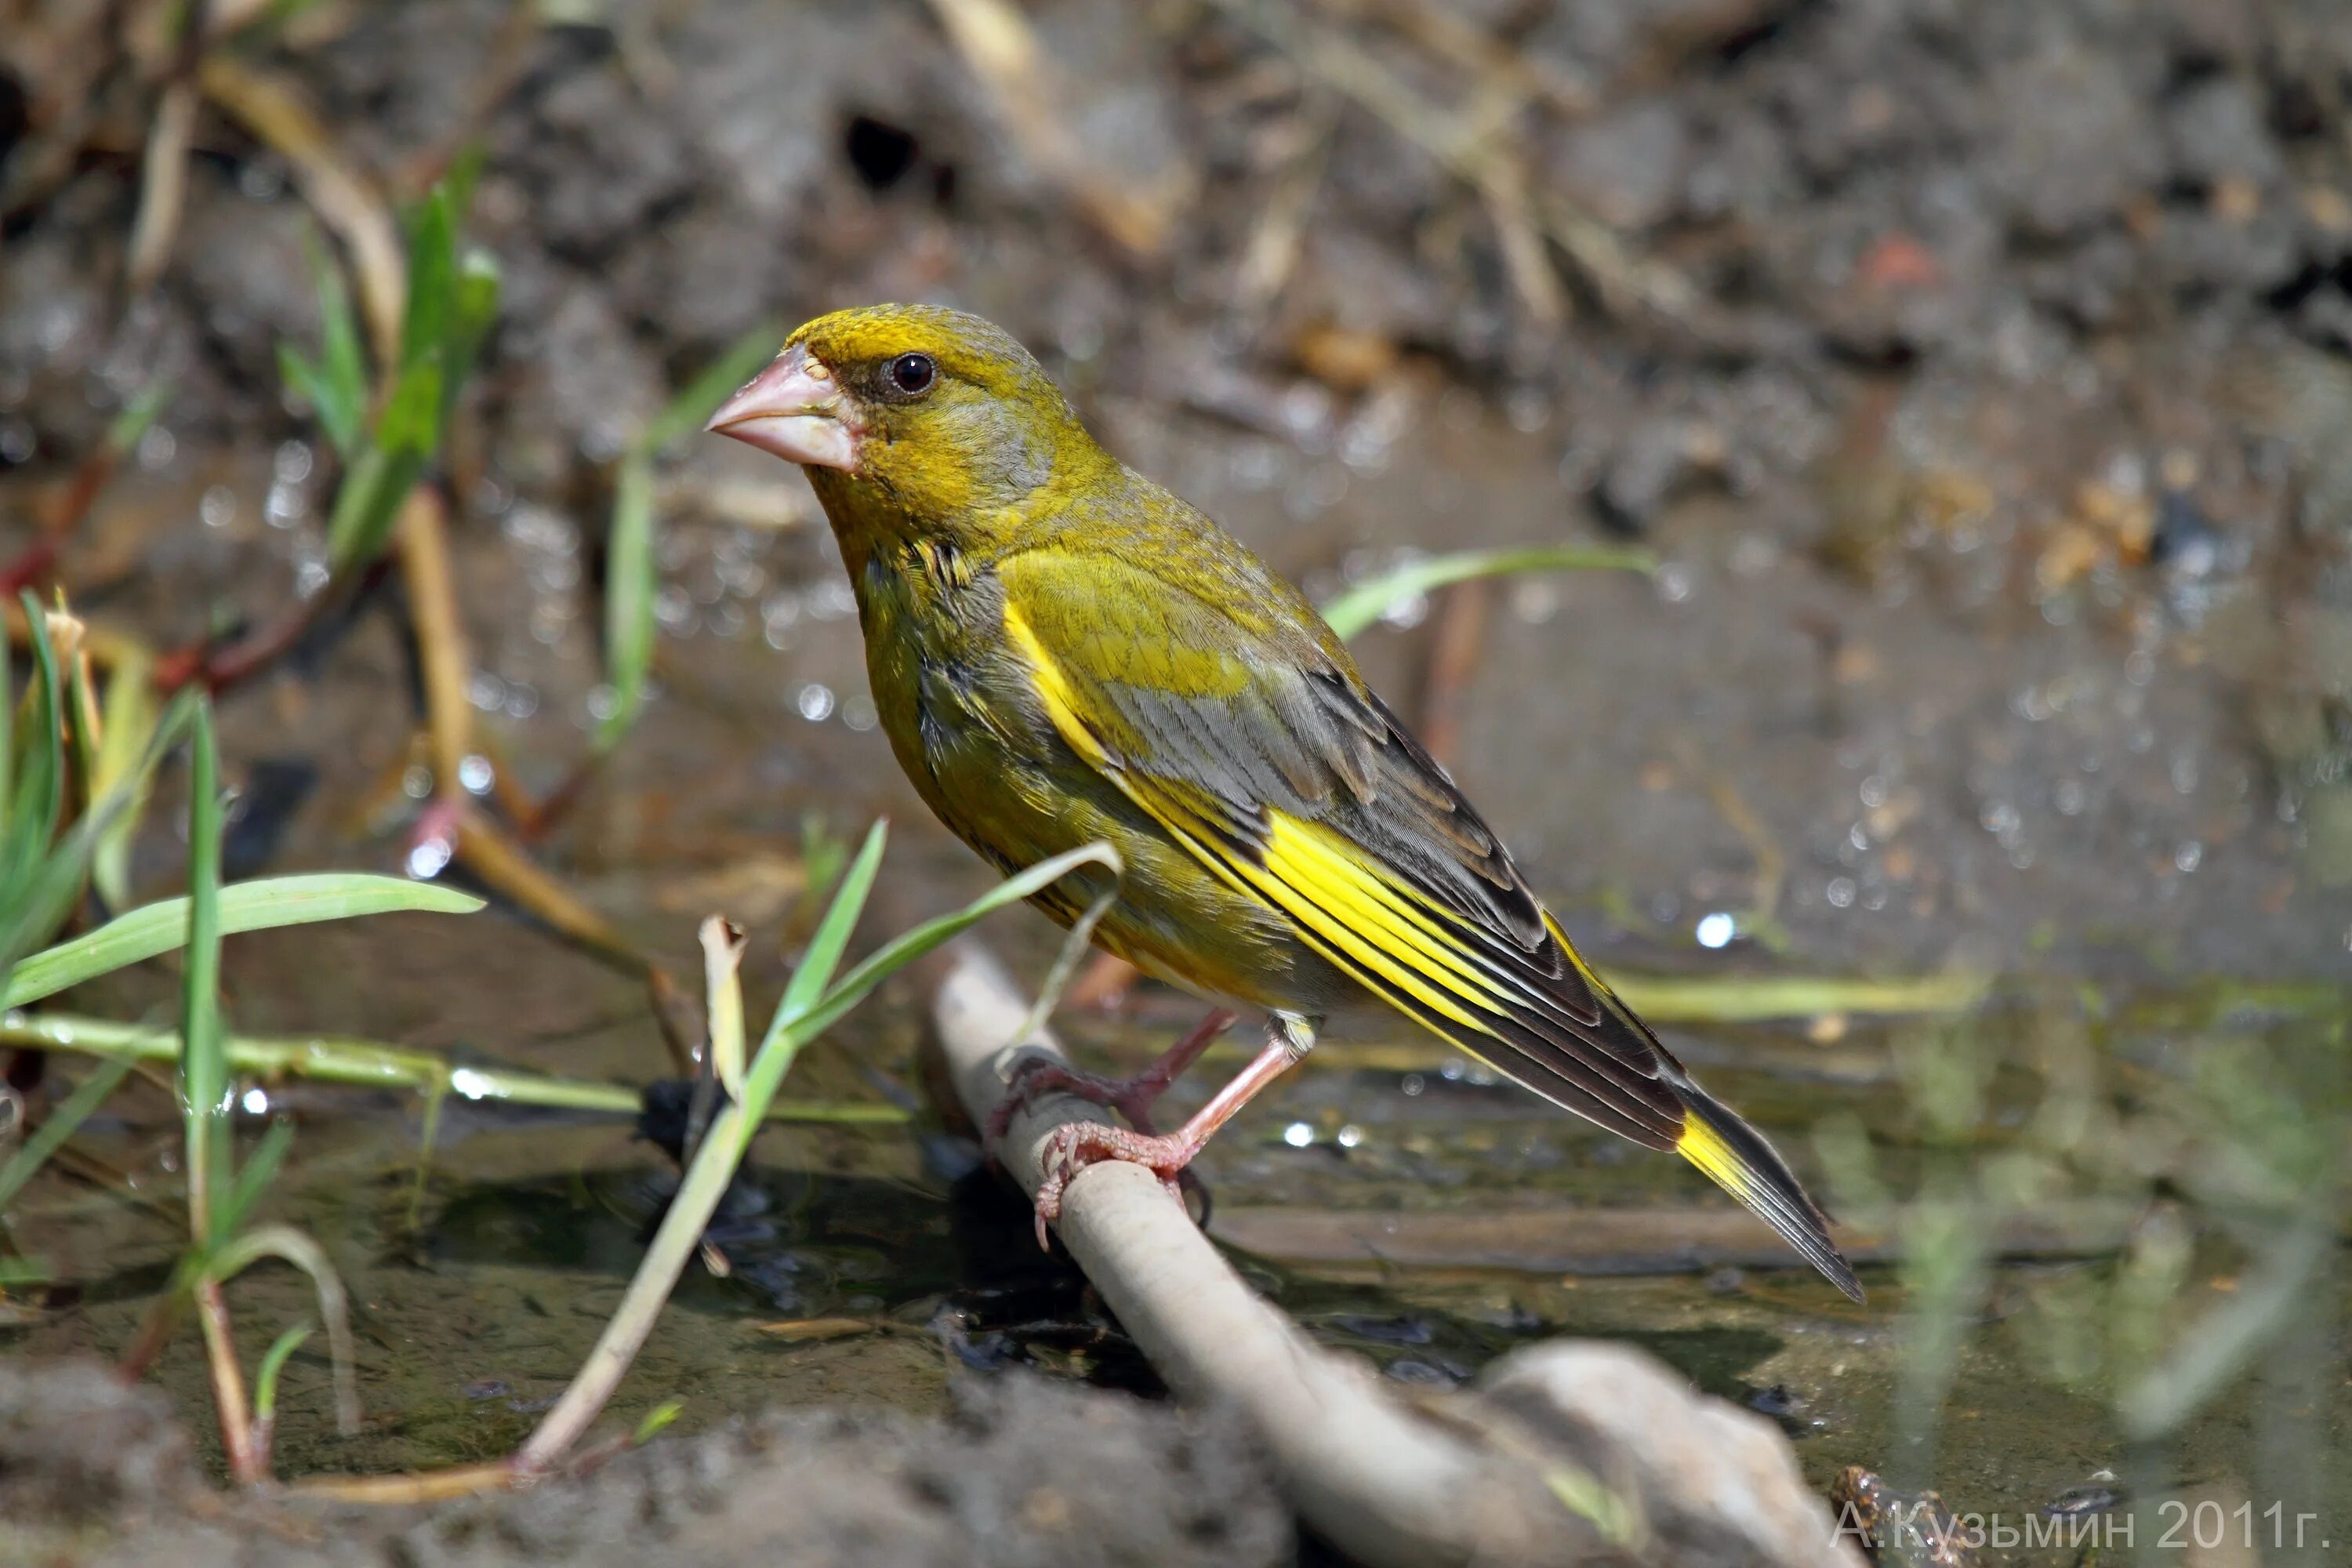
342	360
722	1151
273	1363
81	713
776	1056
47	892
700	397
127	728
1356	609
238	1253
39	784
368	505
656	1419
260	1169
457	182
411	424
432	279
260	905
371	1064
87	1097
629	587
472	312
204	1067
831	939
8	758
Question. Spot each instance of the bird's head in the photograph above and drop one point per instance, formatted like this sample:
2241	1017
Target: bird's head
937	420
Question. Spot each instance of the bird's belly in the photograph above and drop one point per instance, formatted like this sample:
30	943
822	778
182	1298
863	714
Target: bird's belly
991	768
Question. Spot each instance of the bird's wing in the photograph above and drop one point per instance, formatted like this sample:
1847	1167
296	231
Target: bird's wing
1251	739
1239	724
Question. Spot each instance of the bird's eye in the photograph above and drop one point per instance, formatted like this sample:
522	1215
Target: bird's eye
911	374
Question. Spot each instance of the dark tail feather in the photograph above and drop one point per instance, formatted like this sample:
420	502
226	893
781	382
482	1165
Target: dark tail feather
1736	1158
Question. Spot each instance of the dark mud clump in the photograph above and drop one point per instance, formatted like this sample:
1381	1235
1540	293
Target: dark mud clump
1023	1473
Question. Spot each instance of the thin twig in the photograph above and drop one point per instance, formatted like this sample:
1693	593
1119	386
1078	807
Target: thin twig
228	1385
997	45
441	653
163	186
273	109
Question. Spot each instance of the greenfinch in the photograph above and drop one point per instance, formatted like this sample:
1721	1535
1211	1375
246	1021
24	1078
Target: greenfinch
1062	652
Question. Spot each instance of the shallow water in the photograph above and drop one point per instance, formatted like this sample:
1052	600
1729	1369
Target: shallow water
1954	774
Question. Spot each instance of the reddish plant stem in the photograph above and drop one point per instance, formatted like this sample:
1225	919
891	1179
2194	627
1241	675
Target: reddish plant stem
246	1465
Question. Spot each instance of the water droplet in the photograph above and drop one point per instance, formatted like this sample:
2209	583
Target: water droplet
487	692
1412	1083
1674	583
429	860
292	462
469	1083
475	774
859	714
257	1101
1299	1135
1840	893
814	701
603	704
417	782
2190	856
1350	1136
218	508
1716	930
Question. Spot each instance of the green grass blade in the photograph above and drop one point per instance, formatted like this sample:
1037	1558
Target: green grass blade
87	1097
127	729
273	1363
372	1064
40	747
261	905
831	939
432	279
629	587
368	503
776	1056
7	752
474	307
238	1253
700	397
260	1169
204	1067
1356	609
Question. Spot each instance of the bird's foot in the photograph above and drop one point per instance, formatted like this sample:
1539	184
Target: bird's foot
1036	1075
1073	1146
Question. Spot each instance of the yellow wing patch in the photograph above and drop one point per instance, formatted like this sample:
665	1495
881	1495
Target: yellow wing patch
1347	905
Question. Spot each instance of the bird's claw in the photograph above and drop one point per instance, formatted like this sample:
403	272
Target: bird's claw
1035	1075
1073	1146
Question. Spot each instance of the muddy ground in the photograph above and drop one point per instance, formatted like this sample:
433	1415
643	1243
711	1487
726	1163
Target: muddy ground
1977	370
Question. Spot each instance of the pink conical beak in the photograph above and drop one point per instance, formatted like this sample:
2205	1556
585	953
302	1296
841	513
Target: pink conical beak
795	409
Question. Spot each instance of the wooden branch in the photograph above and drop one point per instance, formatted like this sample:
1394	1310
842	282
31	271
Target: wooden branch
1563	1454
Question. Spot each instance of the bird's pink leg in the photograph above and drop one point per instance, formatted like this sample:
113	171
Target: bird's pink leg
1130	1097
1074	1145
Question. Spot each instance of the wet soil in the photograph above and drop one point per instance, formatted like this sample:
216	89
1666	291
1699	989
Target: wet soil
2003	623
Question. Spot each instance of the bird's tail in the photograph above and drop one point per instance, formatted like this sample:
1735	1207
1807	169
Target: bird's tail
1736	1158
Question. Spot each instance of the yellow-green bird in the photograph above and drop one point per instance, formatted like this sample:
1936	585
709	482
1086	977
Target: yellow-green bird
1062	652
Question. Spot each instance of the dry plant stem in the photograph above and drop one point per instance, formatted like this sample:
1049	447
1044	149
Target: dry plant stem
441	652
228	1387
1389	1487
996	42
273	110
164	185
1457	642
649	1288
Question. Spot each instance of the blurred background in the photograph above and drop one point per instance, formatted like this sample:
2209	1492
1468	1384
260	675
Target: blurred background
1967	382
